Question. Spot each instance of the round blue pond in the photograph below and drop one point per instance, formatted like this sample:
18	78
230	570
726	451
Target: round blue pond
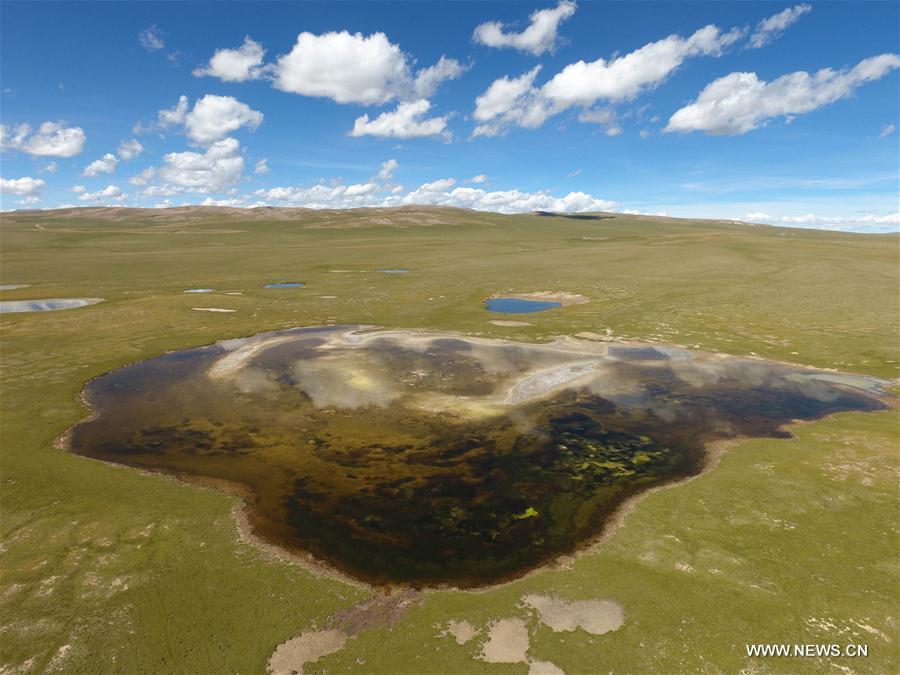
519	305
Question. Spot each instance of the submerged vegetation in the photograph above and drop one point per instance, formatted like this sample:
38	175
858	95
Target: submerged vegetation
431	459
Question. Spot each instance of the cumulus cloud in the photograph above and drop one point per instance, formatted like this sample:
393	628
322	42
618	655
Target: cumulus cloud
106	164
407	121
172	116
214	117
444	191
130	149
143	177
625	77
537	38
428	79
480	178
151	39
261	167
605	117
740	102
354	68
219	167
887	130
211	119
386	172
499	201
51	167
52	139
505	102
168	117
111	193
232	202
889	222
236	65
771	28
516	101
345	67
23	187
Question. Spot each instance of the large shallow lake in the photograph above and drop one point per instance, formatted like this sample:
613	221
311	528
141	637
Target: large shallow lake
403	457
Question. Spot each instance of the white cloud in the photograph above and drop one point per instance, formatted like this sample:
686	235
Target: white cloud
106	164
261	167
506	102
605	117
407	121
887	130
168	117
428	79
111	193
537	38
740	102
25	186
52	139
444	191
323	196
889	222
386	172
625	77
501	201
130	149
50	168
515	101
78	189
234	202
214	117
480	178
173	116
212	171
772	27
354	68
235	65
143	177
574	174
345	67
151	39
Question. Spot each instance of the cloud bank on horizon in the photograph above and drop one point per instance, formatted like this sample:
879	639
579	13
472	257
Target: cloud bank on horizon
553	108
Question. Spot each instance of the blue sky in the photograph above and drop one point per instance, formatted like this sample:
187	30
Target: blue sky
772	112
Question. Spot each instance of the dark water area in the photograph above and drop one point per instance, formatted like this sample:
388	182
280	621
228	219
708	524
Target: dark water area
398	270
421	459
285	284
519	305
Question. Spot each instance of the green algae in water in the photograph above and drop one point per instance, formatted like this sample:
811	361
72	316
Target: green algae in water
403	457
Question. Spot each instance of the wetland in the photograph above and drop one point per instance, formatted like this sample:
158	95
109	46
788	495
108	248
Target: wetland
426	459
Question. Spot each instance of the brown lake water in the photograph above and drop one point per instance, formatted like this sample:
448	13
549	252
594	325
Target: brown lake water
425	459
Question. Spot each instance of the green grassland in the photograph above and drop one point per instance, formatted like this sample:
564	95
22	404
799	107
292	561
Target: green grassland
105	568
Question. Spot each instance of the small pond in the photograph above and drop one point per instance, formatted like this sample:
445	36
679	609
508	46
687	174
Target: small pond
398	270
49	305
519	305
200	290
285	284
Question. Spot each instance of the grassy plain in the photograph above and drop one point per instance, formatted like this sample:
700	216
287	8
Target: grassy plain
108	569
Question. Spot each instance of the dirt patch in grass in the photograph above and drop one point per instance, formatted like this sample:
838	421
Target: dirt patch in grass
507	642
594	616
